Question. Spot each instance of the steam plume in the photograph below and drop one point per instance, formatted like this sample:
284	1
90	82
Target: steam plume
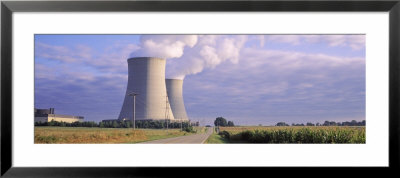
191	54
164	46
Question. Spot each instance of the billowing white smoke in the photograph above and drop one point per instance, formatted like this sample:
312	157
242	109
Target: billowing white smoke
191	54
210	51
164	46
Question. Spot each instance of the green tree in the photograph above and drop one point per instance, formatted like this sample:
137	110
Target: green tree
362	123
220	121
114	124
51	123
281	124
231	124
310	124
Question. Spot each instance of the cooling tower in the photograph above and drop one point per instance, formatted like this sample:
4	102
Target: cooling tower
174	90
146	77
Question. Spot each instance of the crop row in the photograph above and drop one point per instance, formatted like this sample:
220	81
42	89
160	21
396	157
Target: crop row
297	135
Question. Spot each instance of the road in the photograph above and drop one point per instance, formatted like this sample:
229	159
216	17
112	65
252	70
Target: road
197	138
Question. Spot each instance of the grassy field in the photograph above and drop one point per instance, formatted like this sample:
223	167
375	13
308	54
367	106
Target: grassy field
48	134
293	134
215	138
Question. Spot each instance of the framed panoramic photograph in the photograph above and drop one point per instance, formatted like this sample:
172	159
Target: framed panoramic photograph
113	88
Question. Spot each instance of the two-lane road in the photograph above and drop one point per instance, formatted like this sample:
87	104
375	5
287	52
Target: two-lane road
196	138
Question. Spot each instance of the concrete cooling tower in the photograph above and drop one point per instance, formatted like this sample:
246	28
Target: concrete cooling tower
146	77
174	90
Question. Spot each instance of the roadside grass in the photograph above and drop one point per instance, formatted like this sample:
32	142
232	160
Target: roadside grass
85	135
216	139
200	130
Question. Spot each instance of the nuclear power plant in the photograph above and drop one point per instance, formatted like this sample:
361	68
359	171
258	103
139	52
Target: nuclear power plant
175	96
154	99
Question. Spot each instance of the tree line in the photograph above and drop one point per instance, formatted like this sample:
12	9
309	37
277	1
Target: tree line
326	123
144	124
65	124
122	124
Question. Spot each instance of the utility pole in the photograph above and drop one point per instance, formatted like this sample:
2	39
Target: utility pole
166	109
134	108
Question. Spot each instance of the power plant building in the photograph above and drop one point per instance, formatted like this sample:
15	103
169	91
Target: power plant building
175	96
146	78
47	115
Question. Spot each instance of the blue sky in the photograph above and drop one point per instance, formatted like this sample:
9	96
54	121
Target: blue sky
250	79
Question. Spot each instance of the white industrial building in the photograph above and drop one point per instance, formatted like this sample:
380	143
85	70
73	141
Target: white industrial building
47	115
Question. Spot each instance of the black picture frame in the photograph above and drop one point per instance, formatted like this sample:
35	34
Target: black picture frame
8	7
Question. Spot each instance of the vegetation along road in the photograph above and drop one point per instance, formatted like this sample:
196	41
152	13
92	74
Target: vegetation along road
290	134
197	138
48	134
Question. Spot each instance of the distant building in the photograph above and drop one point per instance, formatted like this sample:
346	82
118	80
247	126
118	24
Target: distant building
47	115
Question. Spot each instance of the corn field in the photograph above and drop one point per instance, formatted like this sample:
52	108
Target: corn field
329	134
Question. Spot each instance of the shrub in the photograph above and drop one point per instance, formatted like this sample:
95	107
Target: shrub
189	129
224	134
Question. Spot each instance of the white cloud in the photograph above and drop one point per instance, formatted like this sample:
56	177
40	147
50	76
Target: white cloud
270	79
261	38
59	53
291	39
81	65
289	60
355	42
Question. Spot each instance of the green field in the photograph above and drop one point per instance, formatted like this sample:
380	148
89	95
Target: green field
291	134
46	134
215	138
